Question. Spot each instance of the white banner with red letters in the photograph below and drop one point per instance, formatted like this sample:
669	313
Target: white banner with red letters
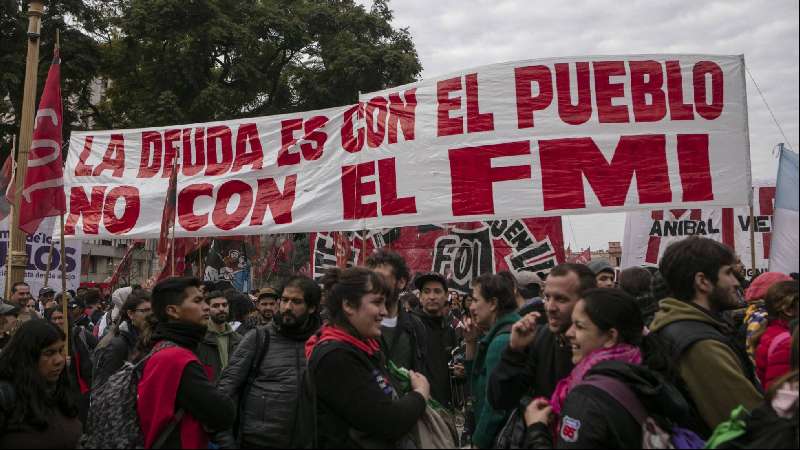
513	140
649	233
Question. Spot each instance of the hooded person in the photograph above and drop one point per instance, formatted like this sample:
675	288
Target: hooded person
603	271
118	299
756	316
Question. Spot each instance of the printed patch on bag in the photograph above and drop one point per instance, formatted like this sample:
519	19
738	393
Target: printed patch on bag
569	429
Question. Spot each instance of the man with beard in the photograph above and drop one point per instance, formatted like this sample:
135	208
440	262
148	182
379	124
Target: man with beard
539	356
441	337
267	305
712	363
403	335
268	389
220	340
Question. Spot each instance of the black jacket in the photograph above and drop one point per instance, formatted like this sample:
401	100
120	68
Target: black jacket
405	344
356	405
440	342
208	350
535	372
592	418
269	414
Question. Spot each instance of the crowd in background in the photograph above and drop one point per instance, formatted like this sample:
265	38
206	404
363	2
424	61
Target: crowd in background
689	354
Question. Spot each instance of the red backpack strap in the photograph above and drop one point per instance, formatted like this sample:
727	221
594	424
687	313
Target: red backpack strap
620	392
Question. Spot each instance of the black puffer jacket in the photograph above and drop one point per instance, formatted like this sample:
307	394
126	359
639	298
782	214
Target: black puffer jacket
269	413
593	418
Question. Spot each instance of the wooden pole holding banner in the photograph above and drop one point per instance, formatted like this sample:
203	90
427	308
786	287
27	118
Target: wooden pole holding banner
49	263
64	295
7	287
172	250
752	239
18	255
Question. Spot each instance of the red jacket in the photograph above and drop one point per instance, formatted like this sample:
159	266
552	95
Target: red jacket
158	390
770	367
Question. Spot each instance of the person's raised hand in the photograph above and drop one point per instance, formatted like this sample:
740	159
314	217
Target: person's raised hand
524	332
538	411
471	331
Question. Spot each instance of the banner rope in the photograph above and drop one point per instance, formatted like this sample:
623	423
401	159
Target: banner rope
764	99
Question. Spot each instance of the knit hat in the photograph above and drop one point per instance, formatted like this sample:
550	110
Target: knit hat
758	289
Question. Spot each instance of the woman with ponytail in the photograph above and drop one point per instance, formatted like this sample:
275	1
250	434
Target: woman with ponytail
586	407
119	344
357	406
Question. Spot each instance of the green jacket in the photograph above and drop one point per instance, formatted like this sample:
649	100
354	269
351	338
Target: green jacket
488	421
711	370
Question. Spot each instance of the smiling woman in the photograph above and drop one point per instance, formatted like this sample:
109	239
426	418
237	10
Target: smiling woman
37	409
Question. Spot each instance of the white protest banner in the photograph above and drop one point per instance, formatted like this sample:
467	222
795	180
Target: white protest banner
513	140
38	249
649	233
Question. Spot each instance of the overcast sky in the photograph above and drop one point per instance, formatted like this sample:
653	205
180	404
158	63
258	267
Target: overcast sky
457	34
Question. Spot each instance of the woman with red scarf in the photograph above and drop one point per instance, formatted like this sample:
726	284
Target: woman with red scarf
586	409
357	406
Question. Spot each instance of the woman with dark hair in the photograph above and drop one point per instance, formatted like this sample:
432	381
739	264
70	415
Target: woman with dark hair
591	405
493	309
55	316
357	405
774	343
37	409
119	344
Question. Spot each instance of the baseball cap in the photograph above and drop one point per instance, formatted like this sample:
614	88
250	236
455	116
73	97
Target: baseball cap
46	290
421	279
268	292
526	277
600	265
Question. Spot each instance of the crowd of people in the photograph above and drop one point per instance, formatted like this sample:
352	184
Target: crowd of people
689	354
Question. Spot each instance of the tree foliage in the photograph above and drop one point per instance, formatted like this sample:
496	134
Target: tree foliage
167	62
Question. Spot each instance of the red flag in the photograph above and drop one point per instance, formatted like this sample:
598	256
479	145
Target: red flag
168	216
125	265
6	185
43	191
343	250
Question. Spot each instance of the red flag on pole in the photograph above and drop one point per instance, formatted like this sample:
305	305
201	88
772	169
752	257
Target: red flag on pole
43	190
6	185
125	265
168	216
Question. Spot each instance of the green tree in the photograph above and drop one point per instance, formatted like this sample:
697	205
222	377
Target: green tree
81	25
162	62
178	61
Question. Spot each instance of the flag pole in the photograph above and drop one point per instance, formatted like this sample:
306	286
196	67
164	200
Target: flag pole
49	262
64	281
11	208
174	221
18	255
752	236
